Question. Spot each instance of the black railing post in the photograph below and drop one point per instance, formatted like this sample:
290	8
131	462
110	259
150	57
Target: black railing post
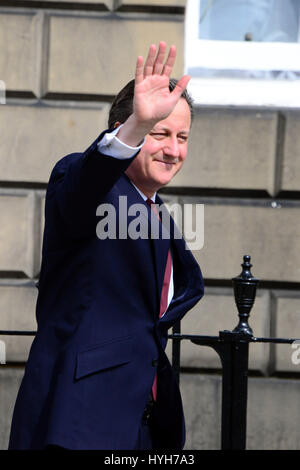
234	357
234	354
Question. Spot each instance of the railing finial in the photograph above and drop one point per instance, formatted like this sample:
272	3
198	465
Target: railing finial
244	287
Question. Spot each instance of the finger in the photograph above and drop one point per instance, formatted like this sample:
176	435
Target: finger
180	86
148	69
170	61
139	71
159	61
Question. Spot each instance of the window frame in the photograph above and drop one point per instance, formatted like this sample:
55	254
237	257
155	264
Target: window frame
239	55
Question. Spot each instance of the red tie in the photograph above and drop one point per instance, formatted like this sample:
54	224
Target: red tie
164	291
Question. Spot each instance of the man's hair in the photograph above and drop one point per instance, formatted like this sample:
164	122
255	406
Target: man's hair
122	105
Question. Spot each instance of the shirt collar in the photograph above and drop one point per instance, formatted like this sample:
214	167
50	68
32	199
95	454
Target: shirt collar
143	195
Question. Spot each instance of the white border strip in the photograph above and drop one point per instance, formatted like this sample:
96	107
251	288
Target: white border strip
235	92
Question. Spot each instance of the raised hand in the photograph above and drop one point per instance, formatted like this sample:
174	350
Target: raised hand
152	100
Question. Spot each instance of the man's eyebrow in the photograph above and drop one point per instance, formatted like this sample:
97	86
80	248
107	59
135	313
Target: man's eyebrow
184	132
166	129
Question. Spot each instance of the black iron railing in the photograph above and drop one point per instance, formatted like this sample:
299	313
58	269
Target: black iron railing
233	350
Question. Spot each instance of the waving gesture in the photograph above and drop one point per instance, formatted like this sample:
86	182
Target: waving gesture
153	101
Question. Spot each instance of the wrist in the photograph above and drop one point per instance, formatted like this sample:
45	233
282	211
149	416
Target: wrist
134	131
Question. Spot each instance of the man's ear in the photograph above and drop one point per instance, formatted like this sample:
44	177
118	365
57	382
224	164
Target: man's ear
116	124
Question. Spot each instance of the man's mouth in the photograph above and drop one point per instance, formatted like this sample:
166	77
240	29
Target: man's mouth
167	164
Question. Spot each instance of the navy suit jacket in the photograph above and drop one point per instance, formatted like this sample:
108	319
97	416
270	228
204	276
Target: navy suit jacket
99	341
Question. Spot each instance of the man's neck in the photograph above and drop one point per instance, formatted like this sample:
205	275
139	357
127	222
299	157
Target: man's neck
144	196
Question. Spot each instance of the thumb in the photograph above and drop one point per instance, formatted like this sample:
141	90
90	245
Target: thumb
181	86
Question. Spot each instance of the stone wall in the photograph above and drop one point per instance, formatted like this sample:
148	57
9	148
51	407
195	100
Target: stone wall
62	62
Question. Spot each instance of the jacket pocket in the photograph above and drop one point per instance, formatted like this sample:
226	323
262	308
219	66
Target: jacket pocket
104	356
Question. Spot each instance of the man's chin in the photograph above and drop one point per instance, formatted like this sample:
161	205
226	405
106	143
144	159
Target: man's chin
164	177
163	182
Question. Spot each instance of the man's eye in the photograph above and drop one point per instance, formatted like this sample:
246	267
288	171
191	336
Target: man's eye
163	135
158	135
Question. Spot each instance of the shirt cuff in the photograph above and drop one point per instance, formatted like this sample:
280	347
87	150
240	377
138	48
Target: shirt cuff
112	146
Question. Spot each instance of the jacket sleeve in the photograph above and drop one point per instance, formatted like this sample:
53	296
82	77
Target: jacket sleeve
78	184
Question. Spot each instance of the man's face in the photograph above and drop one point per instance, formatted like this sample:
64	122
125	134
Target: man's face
164	151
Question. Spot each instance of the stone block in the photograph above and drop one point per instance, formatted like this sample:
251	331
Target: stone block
17	312
286	324
18	239
105	4
149	3
264	231
10	380
273	415
18	53
233	149
201	397
216	312
100	67
291	164
36	137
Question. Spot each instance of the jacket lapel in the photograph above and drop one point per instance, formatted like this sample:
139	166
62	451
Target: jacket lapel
187	276
188	282
160	246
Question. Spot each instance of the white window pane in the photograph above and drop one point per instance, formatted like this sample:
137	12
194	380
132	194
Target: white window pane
256	20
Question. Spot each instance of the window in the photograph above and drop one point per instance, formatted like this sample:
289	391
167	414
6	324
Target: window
244	51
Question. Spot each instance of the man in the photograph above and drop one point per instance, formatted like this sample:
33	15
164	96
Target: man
97	376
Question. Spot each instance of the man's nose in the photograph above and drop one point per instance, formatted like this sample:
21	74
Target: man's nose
171	148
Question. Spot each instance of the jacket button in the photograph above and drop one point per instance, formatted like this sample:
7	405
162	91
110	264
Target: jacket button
155	362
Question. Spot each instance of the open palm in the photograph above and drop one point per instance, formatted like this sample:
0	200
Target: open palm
153	100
